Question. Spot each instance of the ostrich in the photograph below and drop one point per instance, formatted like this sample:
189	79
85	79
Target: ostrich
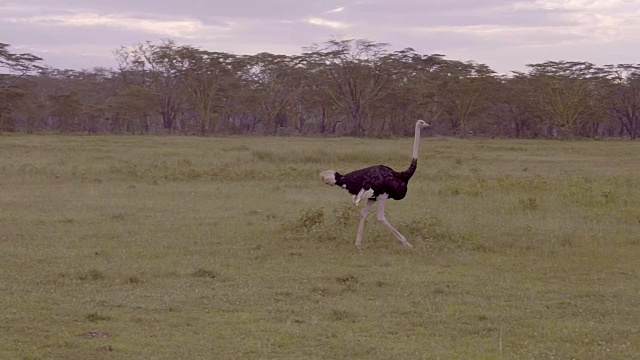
377	183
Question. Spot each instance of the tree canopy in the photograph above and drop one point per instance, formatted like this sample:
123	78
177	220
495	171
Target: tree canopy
351	87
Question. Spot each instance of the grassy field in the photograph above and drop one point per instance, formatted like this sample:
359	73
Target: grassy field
203	248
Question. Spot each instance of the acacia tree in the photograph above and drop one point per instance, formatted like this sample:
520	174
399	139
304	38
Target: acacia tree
511	109
31	110
66	108
14	84
625	99
417	91
95	90
566	94
355	73
17	65
207	77
160	67
314	97
130	110
464	92
277	82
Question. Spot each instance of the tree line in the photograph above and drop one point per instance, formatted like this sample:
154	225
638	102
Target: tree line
350	87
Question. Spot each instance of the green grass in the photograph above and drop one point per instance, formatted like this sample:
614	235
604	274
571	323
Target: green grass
200	248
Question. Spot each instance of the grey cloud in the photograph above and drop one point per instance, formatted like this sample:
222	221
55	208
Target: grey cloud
498	32
55	36
192	8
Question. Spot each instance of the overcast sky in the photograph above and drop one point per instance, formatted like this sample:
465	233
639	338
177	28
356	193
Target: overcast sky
504	34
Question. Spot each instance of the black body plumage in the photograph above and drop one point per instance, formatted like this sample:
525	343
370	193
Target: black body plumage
377	183
380	178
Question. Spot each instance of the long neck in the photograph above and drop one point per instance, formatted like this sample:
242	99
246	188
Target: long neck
407	174
416	142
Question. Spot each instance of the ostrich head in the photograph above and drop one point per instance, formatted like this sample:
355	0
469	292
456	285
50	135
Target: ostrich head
422	124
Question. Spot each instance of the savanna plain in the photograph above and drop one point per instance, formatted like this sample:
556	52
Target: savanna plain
126	247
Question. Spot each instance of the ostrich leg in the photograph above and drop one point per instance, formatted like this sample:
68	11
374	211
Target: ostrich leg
363	216
382	199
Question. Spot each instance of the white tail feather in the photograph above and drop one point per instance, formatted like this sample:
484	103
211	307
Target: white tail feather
328	177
